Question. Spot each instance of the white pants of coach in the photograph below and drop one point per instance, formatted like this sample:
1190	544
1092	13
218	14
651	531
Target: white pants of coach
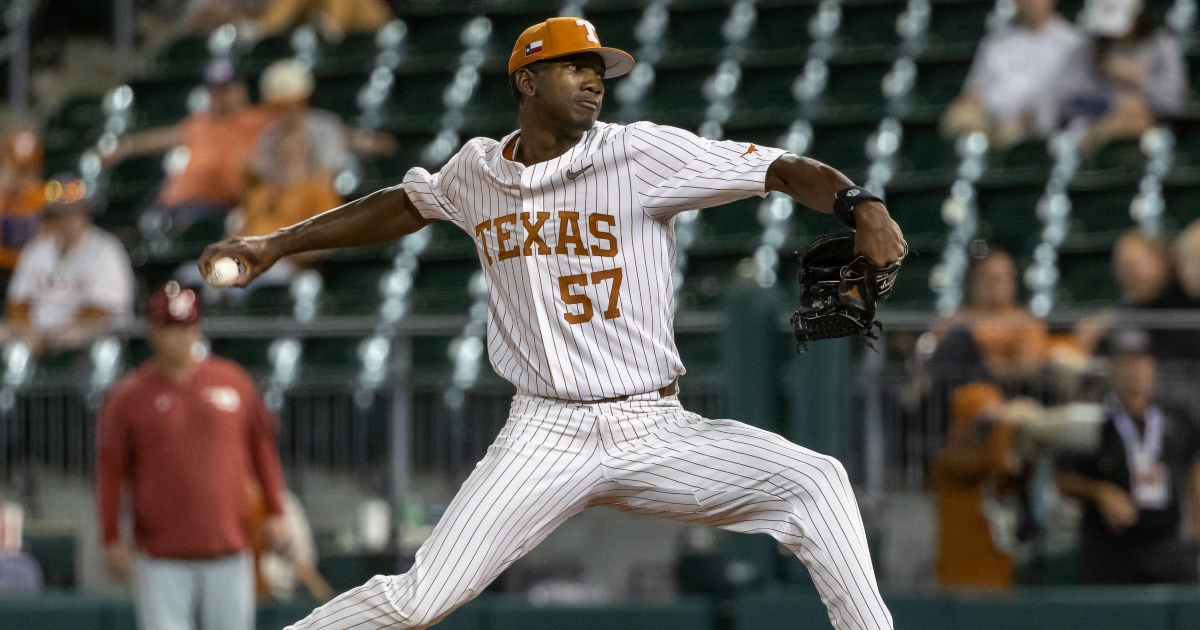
645	455
194	594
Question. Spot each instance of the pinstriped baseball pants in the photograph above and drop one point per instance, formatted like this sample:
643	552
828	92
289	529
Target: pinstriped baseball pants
645	455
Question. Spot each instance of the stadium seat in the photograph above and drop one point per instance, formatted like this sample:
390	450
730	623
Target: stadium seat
854	91
1098	216
1008	216
55	552
441	288
677	97
493	109
731	228
1086	280
1187	141
335	357
270	300
764	97
707	277
183	58
694	37
868	29
1121	154
924	151
264	52
339	94
250	353
1182	198
434	41
415	102
161	102
780	35
911	290
353	55
919	214
843	145
938	83
72	129
686	614
955	28
1025	162
352	287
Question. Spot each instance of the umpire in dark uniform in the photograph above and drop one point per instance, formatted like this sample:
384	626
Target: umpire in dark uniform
1132	487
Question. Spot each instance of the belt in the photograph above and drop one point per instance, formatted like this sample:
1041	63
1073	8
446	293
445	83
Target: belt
670	389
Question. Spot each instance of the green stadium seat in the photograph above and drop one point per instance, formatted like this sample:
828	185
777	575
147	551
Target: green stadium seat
354	55
780	35
352	288
912	290
415	102
434	41
924	150
441	288
55	552
57	611
694	37
249	352
1098	216
1055	608
182	58
1183	201
1187	141
263	53
854	91
493	109
135	178
70	130
332	356
729	229
159	102
868	29
1008	216
344	572
938	83
955	28
843	146
1121	154
430	354
270	300
1028	161
919	213
1086	280
339	94
706	278
677	97
764	97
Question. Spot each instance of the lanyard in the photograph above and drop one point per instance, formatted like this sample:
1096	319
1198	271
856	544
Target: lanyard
1140	450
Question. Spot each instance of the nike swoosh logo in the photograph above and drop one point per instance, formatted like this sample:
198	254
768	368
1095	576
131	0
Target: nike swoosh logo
574	174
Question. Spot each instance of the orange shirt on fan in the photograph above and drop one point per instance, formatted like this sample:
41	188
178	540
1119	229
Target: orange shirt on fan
20	219
1009	340
219	150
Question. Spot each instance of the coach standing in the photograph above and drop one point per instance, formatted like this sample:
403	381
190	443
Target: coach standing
183	435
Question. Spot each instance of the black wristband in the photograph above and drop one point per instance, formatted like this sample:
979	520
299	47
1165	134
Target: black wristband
845	200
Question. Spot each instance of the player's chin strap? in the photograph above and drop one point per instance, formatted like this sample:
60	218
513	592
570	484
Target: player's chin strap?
839	292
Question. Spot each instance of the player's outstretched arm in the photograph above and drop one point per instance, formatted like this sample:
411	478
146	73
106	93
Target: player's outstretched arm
815	185
382	216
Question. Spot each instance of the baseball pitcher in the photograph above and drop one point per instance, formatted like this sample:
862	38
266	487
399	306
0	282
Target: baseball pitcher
573	222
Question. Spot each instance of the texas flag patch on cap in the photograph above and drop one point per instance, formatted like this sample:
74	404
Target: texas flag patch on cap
532	48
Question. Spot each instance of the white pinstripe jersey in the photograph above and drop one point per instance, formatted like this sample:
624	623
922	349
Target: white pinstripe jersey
579	251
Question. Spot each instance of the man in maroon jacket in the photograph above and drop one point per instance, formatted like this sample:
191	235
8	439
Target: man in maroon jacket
183	435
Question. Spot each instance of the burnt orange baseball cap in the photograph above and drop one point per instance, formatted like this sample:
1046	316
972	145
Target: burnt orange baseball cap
561	36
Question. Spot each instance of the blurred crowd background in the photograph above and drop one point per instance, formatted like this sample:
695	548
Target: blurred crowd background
1029	418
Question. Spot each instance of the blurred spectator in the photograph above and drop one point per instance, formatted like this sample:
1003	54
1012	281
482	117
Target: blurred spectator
1010	341
334	18
181	435
1005	92
277	574
22	193
74	277
1187	253
1144	267
1127	74
20	572
977	464
299	155
220	144
1133	486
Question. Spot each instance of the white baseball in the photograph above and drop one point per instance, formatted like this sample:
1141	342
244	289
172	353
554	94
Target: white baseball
224	272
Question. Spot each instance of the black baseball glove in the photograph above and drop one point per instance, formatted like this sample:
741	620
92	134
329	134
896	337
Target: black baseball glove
839	291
